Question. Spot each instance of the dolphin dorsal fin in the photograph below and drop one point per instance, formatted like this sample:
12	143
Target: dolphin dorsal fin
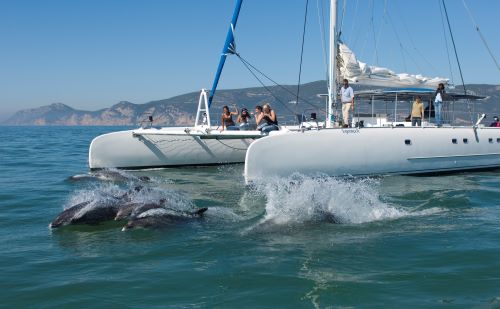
200	211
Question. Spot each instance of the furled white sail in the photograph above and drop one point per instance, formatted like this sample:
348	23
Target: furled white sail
358	72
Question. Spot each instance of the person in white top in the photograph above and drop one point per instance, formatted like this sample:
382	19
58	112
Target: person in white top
347	98
438	104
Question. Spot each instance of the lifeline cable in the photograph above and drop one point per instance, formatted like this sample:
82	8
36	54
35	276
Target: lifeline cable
446	44
458	61
265	87
301	55
481	35
248	64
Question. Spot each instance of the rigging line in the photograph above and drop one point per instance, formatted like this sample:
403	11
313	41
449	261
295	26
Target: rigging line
229	146
381	24
415	48
233	51
271	80
399	40
364	54
265	87
341	25
301	55
481	35
321	20
374	35
446	44
354	24
458	61
454	47
403	49
419	69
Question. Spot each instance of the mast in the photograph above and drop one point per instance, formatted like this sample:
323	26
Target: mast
229	48
332	67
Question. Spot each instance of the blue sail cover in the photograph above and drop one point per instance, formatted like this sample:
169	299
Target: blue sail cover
229	48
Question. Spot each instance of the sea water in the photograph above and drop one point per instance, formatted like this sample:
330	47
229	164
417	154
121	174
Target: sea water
395	241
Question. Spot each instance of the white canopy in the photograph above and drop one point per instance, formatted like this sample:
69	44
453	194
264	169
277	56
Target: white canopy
358	72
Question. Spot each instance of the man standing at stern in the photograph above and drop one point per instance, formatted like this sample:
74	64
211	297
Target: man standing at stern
347	98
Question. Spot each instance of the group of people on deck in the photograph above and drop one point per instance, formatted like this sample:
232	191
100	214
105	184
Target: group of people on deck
265	119
418	112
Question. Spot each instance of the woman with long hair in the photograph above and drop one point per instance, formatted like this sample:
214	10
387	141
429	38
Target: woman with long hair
438	104
243	119
227	118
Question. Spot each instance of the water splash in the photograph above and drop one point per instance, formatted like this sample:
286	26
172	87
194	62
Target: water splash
113	196
111	175
95	194
173	198
222	215
299	199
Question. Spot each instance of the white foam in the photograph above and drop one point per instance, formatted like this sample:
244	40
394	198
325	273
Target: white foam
95	194
299	199
155	212
217	213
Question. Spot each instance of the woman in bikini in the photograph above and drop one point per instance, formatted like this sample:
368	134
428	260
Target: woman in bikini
227	119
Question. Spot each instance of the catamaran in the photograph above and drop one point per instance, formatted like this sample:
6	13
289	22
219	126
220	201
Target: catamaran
374	145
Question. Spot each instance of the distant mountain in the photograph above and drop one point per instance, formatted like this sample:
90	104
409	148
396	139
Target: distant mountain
180	110
492	104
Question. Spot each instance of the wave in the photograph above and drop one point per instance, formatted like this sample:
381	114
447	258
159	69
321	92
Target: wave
299	199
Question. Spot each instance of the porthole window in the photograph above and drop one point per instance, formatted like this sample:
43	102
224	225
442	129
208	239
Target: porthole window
407	142
498	140
466	141
454	141
490	140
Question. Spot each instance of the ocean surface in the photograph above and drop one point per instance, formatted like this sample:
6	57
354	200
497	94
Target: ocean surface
397	242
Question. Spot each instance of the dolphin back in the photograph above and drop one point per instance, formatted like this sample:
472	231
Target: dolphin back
65	217
199	212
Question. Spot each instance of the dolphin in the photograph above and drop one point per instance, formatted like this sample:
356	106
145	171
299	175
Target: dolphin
132	209
329	217
96	215
274	224
125	211
108	175
126	197
85	213
65	217
156	218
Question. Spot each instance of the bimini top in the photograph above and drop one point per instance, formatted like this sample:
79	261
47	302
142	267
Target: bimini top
407	94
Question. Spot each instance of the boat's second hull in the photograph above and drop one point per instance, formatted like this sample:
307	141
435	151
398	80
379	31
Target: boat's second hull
139	149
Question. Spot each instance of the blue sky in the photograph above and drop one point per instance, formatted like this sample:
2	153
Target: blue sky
92	54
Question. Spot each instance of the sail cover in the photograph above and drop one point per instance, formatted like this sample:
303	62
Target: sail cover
360	73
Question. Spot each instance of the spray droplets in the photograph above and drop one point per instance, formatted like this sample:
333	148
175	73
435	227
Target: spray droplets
299	199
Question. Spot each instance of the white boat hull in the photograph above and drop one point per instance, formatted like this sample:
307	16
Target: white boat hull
373	151
168	147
